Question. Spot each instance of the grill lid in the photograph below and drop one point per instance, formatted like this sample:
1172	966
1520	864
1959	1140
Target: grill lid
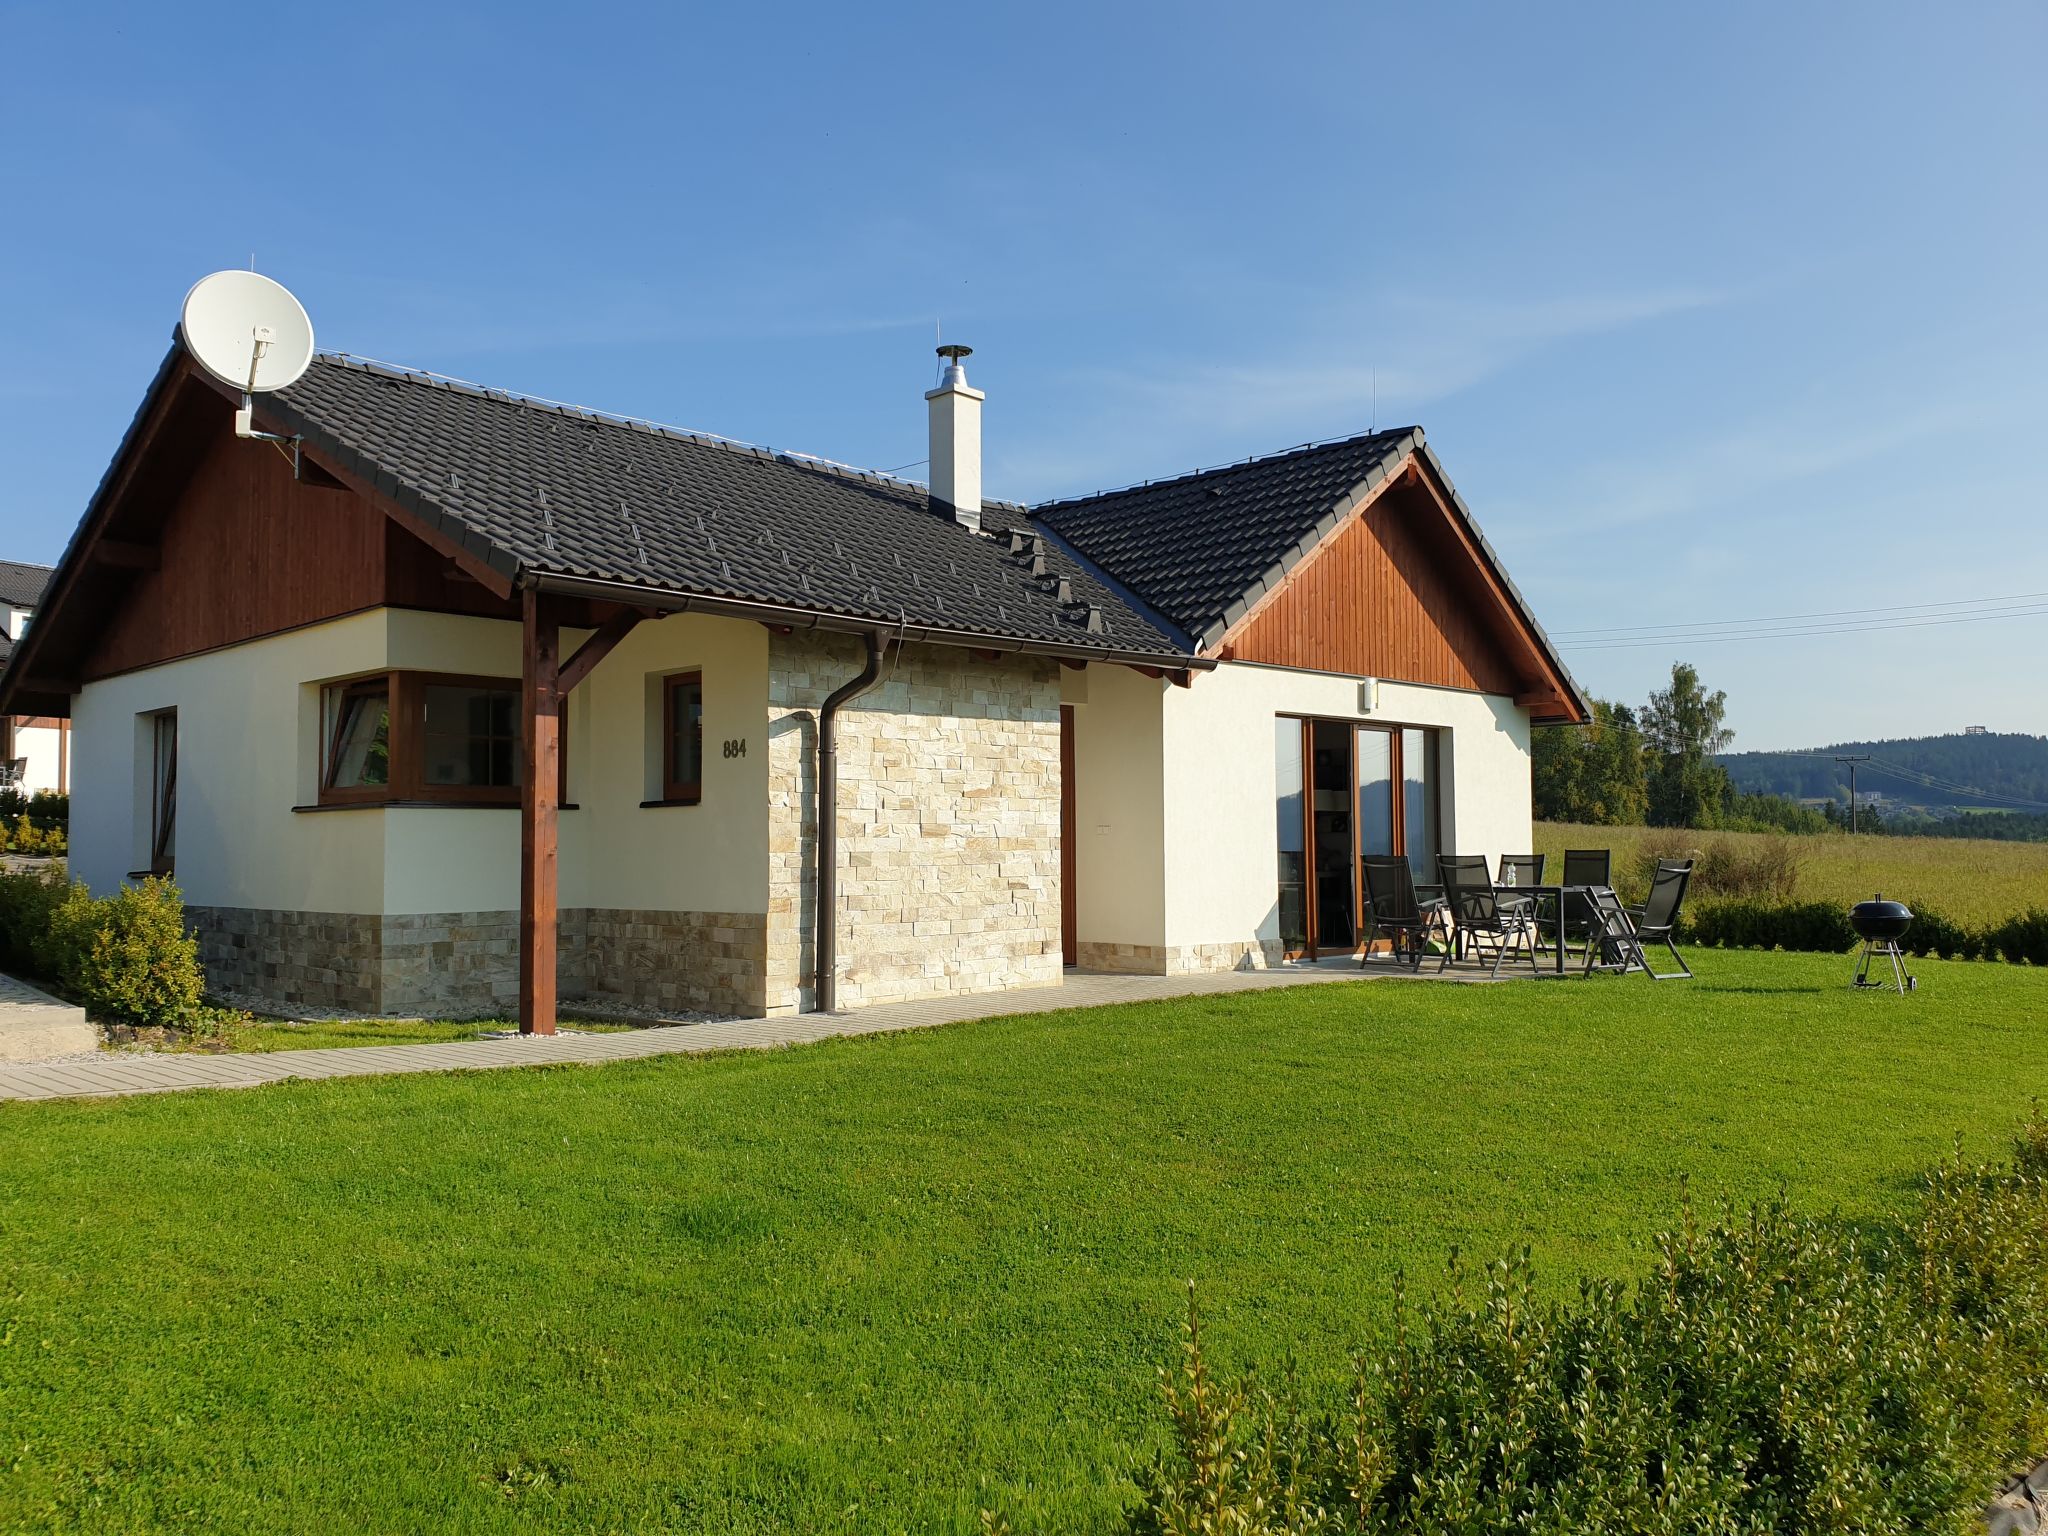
1880	919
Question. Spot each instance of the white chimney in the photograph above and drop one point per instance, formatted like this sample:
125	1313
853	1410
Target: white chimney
956	440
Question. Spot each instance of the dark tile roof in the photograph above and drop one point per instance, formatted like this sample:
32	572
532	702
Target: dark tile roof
1200	548
533	487
21	584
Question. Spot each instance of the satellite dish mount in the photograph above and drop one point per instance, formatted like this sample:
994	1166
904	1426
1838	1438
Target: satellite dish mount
254	336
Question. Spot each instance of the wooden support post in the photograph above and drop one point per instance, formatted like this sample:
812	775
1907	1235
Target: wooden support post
540	794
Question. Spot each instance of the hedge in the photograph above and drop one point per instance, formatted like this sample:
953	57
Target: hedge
1772	1372
127	956
1818	927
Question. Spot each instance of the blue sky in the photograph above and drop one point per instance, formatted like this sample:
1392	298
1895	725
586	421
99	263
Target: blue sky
1712	315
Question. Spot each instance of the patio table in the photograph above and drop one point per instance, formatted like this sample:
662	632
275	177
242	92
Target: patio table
1557	895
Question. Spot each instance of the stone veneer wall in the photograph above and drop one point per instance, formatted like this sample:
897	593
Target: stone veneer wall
423	964
1179	959
949	822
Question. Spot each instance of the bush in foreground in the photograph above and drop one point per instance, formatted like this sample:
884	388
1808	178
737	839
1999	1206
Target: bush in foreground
128	956
1773	1373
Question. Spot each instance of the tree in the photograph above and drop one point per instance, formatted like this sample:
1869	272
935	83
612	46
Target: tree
1591	773
1683	727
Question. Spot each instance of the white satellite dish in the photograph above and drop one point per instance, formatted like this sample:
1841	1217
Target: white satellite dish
247	331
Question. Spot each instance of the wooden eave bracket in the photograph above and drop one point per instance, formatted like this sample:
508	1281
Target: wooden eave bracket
598	646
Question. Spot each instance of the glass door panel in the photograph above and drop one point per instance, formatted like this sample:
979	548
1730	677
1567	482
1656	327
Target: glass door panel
1418	801
1291	806
1336	867
1375	791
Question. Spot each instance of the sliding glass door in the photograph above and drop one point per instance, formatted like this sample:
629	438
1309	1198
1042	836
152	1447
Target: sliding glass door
1342	791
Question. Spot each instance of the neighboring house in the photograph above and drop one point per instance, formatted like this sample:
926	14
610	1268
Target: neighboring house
35	750
490	699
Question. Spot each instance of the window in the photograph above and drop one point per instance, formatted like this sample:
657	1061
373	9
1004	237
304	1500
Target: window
163	792
418	736
682	738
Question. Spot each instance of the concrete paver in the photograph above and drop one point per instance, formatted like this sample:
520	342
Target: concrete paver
111	1075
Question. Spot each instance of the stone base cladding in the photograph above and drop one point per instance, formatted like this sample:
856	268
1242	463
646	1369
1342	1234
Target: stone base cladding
425	964
712	961
949	821
1178	959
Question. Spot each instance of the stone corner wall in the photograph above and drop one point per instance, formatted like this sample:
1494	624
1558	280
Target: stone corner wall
949	822
1179	959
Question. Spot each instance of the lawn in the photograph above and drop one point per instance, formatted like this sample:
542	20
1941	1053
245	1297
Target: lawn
873	1285
1969	879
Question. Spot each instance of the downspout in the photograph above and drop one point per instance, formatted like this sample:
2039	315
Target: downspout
825	918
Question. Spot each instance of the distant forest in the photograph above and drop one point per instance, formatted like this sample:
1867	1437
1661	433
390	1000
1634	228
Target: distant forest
1935	773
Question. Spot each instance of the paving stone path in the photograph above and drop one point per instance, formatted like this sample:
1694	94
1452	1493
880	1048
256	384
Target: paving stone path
109	1074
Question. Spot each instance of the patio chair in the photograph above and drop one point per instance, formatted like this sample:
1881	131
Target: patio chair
1611	942
1482	917
1584	867
1588	866
1518	870
1393	911
1656	920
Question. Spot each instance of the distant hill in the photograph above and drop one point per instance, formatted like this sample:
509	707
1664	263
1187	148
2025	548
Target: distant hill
1937	773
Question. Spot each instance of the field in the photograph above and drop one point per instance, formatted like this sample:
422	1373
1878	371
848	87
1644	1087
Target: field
1969	880
876	1285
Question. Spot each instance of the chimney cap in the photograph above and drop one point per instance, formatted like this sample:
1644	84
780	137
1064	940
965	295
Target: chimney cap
953	351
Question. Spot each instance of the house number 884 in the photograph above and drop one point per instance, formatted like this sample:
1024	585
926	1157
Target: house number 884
736	747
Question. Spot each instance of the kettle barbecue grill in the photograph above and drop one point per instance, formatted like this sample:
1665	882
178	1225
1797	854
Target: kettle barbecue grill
1881	924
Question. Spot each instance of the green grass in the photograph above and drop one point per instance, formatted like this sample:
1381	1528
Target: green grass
1969	879
286	1035
872	1285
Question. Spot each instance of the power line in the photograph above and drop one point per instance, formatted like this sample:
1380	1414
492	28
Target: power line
1790	618
1668	640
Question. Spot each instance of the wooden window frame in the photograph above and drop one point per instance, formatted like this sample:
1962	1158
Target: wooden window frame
406	693
163	795
676	791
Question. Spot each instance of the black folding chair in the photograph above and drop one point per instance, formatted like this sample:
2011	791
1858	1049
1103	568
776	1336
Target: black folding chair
1481	916
1394	912
1656	920
1526	868
1585	867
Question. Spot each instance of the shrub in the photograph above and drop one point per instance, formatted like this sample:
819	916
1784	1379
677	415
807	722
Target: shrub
129	954
1771	1373
1813	926
28	899
1758	868
47	808
2021	939
1935	933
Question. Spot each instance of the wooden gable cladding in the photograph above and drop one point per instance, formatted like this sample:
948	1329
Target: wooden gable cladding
1396	592
243	550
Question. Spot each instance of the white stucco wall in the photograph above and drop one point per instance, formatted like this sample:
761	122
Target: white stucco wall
1175	796
42	747
1119	807
1220	785
248	743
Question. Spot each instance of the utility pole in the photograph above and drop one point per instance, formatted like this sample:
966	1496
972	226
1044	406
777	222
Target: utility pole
1852	762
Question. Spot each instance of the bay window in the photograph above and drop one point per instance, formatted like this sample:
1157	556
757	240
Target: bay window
424	737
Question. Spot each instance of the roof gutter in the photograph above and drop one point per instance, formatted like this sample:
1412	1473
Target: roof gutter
846	624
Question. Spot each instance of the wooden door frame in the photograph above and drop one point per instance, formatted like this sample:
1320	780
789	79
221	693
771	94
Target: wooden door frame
1396	731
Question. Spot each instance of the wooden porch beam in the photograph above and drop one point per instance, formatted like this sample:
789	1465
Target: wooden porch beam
597	647
540	794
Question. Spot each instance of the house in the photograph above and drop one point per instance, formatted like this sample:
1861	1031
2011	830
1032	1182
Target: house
35	750
460	699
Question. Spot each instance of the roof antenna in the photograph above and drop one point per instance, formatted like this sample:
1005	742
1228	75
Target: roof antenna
1375	400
